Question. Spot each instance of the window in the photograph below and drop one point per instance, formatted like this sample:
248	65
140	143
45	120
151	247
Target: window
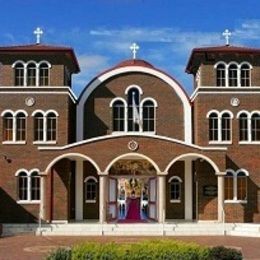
233	75
22	186
51	127
213	127
20	127
236	185
243	127
148	116
19	74
118	116
8	127
38	127
90	189
35	186
226	127
221	75
245	75
255	127
44	74
175	189
31	74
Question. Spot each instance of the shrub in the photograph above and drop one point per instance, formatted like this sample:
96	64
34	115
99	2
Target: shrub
60	254
223	253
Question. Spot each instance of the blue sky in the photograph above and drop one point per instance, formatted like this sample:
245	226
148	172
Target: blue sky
101	31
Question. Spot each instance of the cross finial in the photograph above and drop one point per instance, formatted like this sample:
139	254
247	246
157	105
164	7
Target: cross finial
227	34
134	48
38	32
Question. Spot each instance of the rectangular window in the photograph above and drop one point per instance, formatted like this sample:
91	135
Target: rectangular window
132	123
44	77
23	187
255	124
51	129
221	77
225	129
35	188
8	129
119	118
213	129
175	190
20	129
243	129
91	191
19	76
229	188
148	119
241	188
38	129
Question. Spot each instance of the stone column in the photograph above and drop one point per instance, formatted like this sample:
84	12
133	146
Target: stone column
188	189
79	190
103	179
221	198
161	197
43	176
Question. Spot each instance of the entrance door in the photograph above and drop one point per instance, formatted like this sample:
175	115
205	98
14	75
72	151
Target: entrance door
152	199
112	199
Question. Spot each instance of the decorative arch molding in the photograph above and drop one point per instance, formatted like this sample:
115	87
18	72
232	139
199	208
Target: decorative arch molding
91	178
193	155
149	99
72	156
28	173
235	173
134	86
164	77
175	178
118	99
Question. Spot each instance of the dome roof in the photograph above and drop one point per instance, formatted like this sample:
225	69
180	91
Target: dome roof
132	62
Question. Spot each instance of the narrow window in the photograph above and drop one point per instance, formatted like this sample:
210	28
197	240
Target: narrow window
245	75
35	186
148	116
233	75
175	189
44	74
255	124
22	186
243	127
8	125
51	127
20	127
213	126
31	74
19	74
38	127
118	116
229	186
226	127
221	75
90	190
133	110
241	186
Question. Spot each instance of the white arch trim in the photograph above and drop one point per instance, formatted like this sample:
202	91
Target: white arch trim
228	112
235	173
17	62
7	111
192	155
149	99
175	86
20	111
44	62
117	99
246	63
91	178
175	178
72	156
212	111
220	63
243	112
51	111
134	86
29	173
141	156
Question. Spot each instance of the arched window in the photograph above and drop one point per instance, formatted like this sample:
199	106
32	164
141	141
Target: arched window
31	74
175	189
148	116
245	75
90	189
229	186
241	186
35	186
134	120
20	126
51	126
255	127
243	127
233	75
118	116
221	75
213	126
19	74
38	127
43	74
226	127
8	127
23	189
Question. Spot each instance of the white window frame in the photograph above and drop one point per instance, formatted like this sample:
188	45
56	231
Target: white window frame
85	183
111	105
180	183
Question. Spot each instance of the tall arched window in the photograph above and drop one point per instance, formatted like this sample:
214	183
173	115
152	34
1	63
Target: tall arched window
175	189
148	116
221	75
229	186
51	126
243	127
255	127
245	75
90	190
118	116
38	127
35	186
20	126
31	74
19	74
43	74
241	186
23	186
213	126
226	127
233	75
134	120
8	127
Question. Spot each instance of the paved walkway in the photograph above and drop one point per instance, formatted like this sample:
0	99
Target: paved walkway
32	247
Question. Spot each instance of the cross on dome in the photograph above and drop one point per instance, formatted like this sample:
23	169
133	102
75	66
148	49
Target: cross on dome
38	32
134	48
227	34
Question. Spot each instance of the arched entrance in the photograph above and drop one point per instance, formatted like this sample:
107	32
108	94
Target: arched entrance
132	189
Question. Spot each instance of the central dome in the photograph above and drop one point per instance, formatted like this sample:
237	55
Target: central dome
134	62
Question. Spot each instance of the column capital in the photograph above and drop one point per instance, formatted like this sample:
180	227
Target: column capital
220	174
102	173
162	173
43	174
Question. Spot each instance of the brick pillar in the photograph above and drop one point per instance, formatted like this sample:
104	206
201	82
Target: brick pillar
161	197
43	208
220	196
79	190
103	182
188	189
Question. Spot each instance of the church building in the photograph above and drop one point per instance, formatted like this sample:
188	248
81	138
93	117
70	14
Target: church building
133	147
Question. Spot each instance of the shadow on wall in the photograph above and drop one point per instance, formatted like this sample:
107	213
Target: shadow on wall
11	212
